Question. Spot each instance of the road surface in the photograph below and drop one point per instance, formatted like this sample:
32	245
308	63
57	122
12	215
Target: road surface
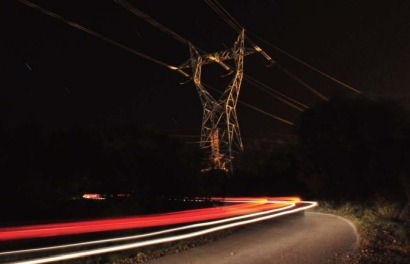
309	238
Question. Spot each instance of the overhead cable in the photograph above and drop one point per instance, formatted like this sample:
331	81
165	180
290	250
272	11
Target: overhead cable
292	102
280	96
255	108
235	22
225	15
115	43
106	39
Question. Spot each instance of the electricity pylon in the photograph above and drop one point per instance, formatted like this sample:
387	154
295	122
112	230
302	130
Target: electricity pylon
220	133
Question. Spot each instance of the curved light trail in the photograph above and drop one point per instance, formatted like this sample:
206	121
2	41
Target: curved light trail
244	211
243	206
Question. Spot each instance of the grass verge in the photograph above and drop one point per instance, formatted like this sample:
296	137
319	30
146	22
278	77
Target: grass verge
383	228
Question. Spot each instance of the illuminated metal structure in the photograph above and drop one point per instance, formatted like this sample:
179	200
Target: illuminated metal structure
220	133
220	129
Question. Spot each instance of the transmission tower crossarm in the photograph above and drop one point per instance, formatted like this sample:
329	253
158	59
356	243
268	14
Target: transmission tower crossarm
218	57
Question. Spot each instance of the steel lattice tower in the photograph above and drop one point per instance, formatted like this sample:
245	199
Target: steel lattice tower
220	133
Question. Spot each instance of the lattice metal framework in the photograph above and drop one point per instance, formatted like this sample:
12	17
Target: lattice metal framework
220	133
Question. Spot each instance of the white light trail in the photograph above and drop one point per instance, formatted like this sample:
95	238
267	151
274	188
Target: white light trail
158	232
262	217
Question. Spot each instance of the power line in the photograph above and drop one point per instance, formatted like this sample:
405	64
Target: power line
296	104
280	96
236	26
307	65
255	108
106	39
150	20
117	44
307	86
235	22
225	15
161	27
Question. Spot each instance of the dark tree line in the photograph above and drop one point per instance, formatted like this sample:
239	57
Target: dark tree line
348	149
355	149
267	168
43	172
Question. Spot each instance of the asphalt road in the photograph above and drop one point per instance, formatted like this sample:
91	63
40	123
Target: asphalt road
304	238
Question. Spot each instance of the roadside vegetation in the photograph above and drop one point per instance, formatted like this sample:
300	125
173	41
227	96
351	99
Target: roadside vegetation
384	229
356	157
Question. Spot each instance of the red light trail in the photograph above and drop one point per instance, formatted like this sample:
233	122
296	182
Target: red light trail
242	211
244	206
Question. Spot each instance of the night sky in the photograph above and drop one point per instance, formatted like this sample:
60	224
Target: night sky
58	77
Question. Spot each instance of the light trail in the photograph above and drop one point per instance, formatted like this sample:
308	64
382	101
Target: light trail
180	217
231	200
269	208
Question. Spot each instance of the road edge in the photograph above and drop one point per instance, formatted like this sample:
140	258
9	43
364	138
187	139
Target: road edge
355	230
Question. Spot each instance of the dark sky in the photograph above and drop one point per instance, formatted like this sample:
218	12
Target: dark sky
59	77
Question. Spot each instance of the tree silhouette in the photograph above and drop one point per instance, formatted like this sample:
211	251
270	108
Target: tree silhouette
73	157
354	148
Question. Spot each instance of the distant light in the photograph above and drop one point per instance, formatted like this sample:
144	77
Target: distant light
93	196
